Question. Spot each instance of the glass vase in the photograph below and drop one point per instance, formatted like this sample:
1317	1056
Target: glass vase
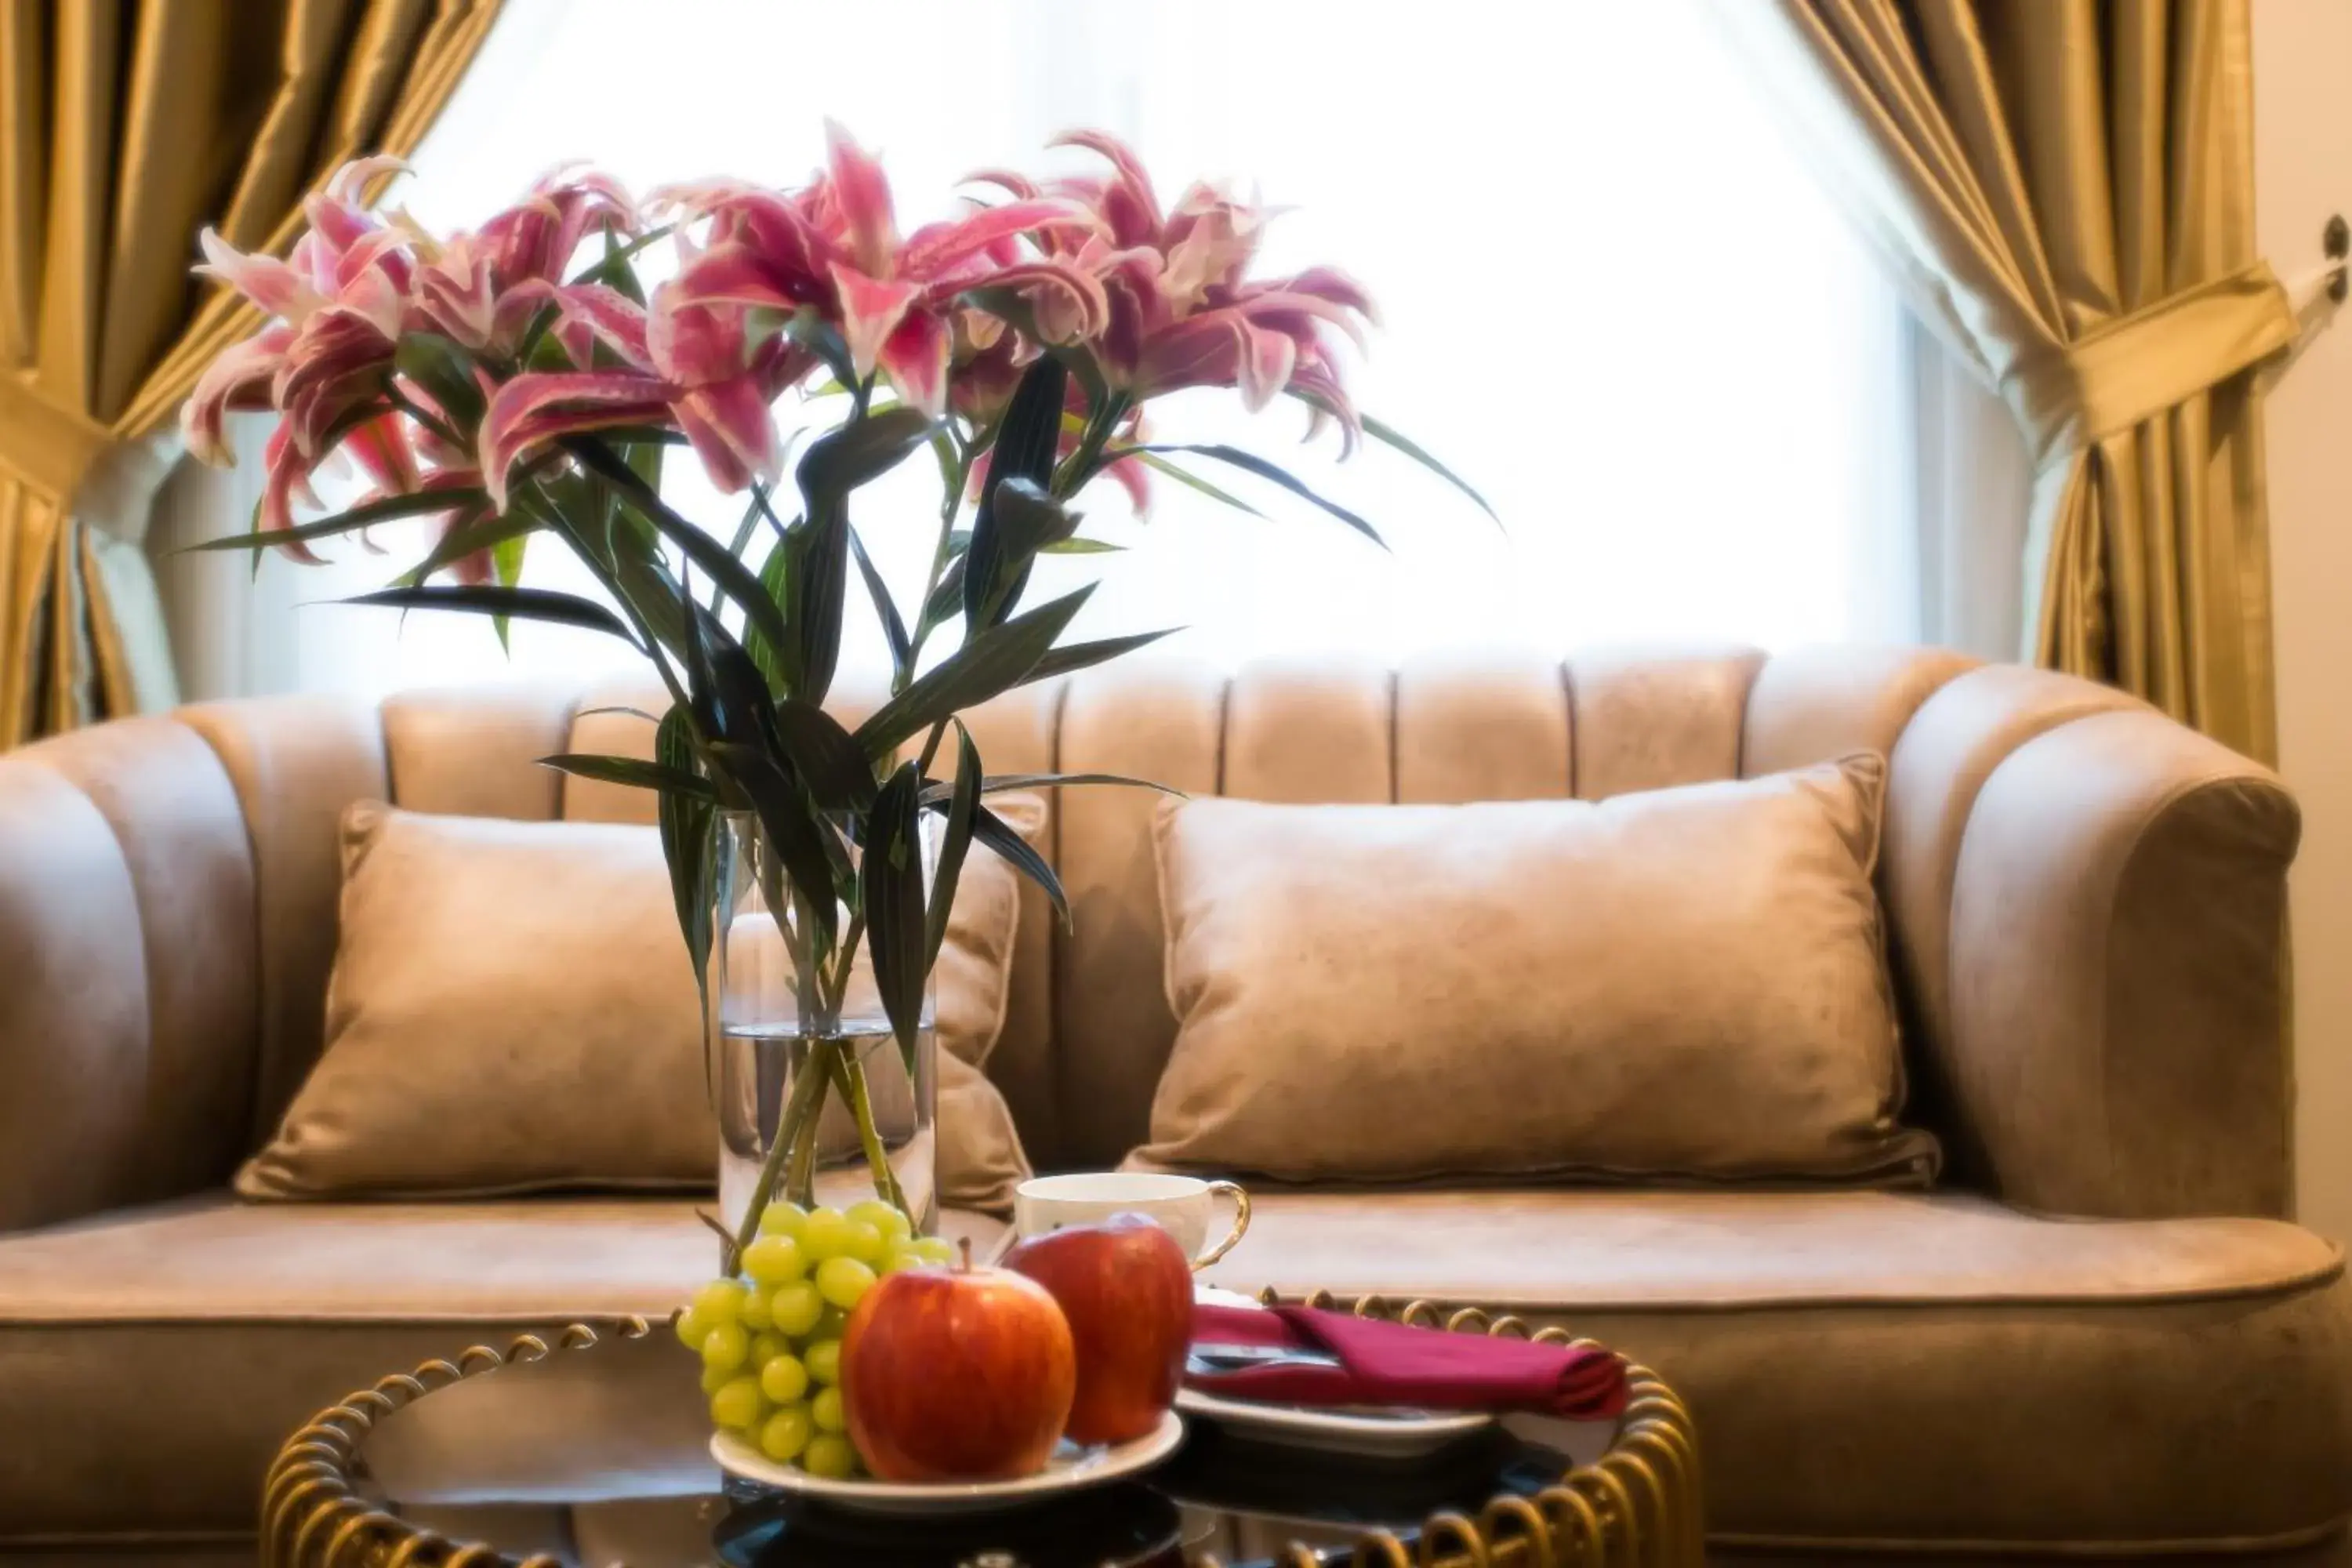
817	1100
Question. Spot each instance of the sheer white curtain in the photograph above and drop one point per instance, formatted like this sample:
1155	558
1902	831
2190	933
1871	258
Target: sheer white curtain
1614	299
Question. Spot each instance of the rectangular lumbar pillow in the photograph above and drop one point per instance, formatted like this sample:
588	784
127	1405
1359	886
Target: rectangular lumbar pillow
1687	982
512	1010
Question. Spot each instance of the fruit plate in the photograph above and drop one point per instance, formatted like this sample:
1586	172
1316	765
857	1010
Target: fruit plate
1371	1432
1071	1468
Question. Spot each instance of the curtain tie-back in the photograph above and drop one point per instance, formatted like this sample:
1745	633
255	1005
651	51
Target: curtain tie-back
2137	366
46	445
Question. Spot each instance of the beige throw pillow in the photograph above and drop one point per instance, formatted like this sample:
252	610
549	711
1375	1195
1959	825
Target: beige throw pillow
1683	984
512	1010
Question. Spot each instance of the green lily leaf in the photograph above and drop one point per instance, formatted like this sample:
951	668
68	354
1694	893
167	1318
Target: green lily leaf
475	531
946	599
996	566
862	451
529	604
775	574
633	772
890	879
689	838
1082	655
815	556
797	842
1185	476
1393	437
625	557
1027	519
506	567
741	542
1251	463
644	458
707	553
506	558
446	372
994	661
964	809
813	333
383	509
1005	839
937	790
902	652
826	756
818	545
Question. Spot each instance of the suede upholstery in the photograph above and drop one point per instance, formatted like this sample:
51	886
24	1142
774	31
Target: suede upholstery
488	968
1718	1008
2083	902
1920	1367
242	1322
461	1023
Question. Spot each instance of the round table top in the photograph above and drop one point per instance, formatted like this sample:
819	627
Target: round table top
592	1447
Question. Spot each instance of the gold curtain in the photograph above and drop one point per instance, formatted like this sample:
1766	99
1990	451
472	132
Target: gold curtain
2065	189
126	125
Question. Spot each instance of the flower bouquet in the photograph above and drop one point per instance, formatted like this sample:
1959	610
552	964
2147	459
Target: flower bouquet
522	379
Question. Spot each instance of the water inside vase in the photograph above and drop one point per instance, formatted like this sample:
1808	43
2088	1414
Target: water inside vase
757	1068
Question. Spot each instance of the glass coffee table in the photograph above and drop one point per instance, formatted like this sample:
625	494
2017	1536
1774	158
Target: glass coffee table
590	1447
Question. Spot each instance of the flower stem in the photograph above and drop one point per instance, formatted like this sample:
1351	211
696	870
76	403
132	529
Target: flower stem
1080	466
849	1074
801	1183
802	1108
948	509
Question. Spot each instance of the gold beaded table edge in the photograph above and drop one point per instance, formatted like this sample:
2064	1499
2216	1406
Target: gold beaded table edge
1636	1507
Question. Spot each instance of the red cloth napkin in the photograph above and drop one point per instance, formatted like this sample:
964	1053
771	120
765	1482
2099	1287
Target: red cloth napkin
1390	1363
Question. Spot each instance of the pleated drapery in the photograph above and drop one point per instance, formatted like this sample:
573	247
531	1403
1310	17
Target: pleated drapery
125	126
2064	188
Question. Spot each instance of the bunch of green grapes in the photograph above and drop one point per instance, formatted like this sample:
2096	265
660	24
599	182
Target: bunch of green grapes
771	1338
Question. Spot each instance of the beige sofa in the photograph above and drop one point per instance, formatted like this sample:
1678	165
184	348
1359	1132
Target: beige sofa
2099	1335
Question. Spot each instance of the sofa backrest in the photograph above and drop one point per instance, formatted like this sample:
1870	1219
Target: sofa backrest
1089	1026
2086	900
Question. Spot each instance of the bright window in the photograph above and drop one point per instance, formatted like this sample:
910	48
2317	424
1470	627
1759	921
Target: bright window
1614	300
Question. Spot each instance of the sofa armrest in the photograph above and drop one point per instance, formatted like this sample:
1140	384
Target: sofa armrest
167	919
127	972
2115	1042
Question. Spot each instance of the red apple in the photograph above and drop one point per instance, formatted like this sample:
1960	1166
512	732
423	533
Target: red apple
961	1375
1126	1289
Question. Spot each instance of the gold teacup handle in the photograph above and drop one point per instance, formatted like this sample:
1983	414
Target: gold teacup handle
1240	1221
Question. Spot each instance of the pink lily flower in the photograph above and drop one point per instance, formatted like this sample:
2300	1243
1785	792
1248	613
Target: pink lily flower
685	360
835	248
342	297
538	237
1182	312
340	300
481	289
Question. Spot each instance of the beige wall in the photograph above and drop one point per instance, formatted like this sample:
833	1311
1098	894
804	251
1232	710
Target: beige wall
2303	171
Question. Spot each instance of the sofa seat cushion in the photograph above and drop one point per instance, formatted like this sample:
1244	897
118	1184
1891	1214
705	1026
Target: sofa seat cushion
1884	1368
151	1361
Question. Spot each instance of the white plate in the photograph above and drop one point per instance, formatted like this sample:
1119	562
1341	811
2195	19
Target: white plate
1392	1434
1378	1433
1070	1469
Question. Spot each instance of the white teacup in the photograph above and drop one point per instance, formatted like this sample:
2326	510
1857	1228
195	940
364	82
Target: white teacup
1181	1205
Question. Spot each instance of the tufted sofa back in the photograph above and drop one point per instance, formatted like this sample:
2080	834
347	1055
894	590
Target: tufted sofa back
2085	901
1089	1028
